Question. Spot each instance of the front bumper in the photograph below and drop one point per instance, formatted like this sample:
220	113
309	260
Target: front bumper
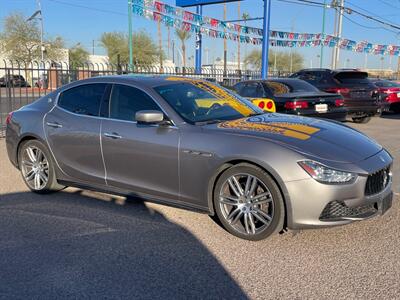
313	204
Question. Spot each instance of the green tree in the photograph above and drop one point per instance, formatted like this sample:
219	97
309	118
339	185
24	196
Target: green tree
145	51
283	60
20	40
78	55
183	36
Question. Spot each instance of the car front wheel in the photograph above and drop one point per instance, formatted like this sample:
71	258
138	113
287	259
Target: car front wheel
37	167
248	202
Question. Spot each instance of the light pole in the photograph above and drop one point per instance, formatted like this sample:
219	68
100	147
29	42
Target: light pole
38	15
265	43
322	35
130	38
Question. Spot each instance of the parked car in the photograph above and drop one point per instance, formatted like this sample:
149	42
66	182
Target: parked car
13	81
361	97
295	96
256	172
389	94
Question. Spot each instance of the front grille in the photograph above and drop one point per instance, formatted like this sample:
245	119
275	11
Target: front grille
337	210
377	181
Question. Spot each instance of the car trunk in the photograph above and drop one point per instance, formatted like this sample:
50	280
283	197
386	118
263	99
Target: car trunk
309	101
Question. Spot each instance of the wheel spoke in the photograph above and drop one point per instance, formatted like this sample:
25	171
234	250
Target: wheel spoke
261	219
229	200
233	187
29	176
37	181
43	176
31	154
253	187
237	218
252	224
39	156
237	184
266	194
247	187
246	224
232	214
263	214
27	163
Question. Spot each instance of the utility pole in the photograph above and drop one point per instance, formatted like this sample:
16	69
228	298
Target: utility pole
225	45
334	5
92	47
340	27
339	13
41	30
239	16
160	44
130	33
322	35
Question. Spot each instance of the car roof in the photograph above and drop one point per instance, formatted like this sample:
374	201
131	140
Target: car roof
283	79
149	80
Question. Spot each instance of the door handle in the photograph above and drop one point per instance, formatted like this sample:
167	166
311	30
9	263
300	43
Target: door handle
54	125
112	135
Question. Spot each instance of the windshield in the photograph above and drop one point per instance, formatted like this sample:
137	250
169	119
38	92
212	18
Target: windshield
201	101
292	86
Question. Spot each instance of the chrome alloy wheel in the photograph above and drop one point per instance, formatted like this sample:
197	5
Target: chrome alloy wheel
35	168
246	203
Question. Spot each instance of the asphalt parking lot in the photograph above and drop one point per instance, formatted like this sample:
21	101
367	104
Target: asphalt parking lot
81	244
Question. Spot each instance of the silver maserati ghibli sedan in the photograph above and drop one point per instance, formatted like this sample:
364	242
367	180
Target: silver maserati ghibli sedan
193	144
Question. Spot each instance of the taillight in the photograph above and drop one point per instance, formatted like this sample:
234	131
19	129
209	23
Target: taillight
270	104
392	97
296	104
9	117
261	104
339	102
340	91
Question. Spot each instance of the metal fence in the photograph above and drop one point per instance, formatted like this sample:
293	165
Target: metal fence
21	83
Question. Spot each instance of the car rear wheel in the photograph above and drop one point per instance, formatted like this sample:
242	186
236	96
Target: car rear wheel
361	120
248	202
37	167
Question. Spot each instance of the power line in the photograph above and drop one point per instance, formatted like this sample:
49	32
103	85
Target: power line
352	10
88	7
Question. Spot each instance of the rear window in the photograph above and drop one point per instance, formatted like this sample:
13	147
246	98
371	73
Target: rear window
386	83
352	78
293	86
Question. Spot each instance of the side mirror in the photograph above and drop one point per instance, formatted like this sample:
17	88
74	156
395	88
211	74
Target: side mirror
149	116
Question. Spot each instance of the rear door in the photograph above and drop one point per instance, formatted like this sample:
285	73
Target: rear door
73	132
139	157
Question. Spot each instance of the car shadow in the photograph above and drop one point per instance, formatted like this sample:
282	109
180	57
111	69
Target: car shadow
78	244
390	115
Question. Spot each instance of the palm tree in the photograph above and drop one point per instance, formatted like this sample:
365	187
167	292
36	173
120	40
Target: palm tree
183	37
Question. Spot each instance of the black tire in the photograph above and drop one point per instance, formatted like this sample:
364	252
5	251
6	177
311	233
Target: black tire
275	225
46	187
361	120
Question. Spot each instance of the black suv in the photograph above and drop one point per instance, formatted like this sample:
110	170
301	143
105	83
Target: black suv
361	96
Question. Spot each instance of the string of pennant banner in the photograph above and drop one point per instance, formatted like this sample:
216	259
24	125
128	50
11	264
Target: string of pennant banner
179	18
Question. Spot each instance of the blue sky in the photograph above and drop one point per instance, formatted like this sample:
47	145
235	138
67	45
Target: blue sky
75	23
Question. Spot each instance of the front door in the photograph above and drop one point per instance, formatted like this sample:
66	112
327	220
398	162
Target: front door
142	158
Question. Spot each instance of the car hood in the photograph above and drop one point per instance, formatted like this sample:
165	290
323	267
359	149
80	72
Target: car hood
318	138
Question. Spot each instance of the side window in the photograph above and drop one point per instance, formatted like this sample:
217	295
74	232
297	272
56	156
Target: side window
127	100
312	77
83	99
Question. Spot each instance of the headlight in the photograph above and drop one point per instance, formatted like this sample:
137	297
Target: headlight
324	174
